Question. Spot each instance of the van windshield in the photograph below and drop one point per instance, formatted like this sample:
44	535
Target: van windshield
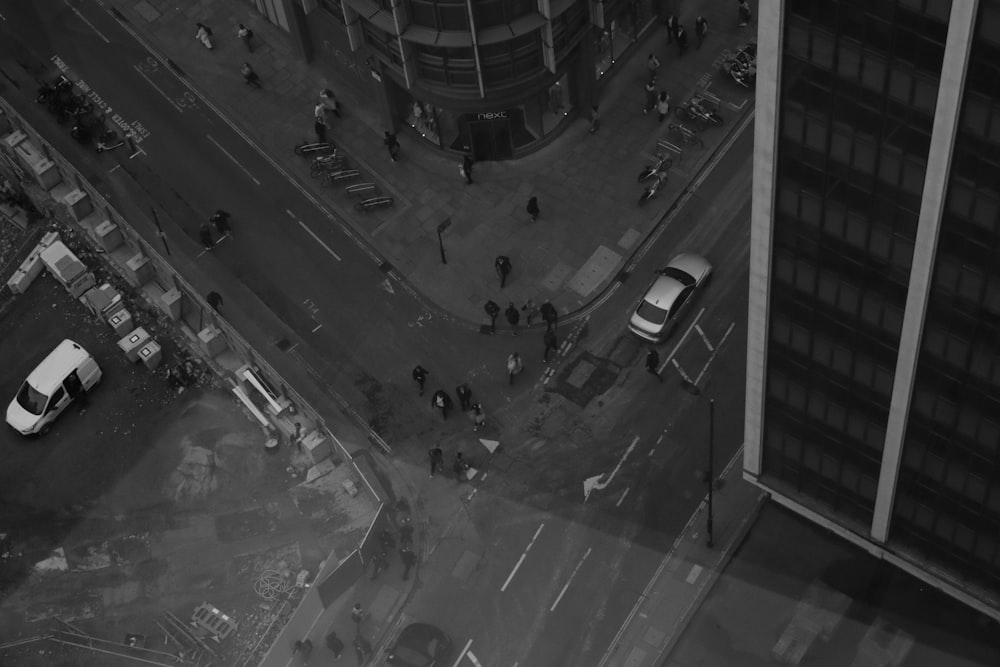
31	399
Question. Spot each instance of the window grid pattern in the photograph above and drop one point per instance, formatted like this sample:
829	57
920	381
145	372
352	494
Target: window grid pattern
859	86
948	499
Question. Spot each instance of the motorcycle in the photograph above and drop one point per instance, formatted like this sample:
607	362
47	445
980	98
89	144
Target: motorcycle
662	164
81	132
108	141
695	110
743	74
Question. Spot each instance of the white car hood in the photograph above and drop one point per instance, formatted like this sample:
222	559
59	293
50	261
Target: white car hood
20	419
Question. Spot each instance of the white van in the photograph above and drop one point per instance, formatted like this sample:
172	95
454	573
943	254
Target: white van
64	375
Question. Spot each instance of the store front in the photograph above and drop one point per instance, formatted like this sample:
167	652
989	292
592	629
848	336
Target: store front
489	134
623	24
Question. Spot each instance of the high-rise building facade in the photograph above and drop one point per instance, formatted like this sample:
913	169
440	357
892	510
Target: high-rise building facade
873	371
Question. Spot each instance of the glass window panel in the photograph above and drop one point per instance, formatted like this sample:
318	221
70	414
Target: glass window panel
815	133
982	360
991	300
902	252
805	276
892	319
989	436
970	284
864	154
985	208
811	210
875	436
817	406
890	165
964	537
923	401
957	351
777	386
883	380
800	340
868	488
913	176
835	416
879	242
822	350
830	467
788	201
781	330
873	71
857	230
944	411
934	340
842	360
975	489
848	297
827	291
856	426
934	467
796	396
900	85
784	265
864	370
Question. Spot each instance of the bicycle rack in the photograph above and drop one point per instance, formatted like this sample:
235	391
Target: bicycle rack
362	189
373	202
339	176
664	145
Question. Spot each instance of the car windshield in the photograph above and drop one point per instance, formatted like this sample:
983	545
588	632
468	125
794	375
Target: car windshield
651	312
31	400
683	278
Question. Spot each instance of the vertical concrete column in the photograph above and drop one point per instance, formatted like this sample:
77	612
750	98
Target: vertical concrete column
769	40
946	119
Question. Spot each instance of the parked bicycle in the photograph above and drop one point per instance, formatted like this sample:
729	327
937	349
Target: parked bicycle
650	192
663	163
697	110
684	135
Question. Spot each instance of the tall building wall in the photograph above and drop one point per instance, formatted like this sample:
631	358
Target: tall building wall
873	373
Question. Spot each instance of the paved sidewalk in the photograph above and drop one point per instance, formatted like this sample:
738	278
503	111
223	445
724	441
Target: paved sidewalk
586	184
686	575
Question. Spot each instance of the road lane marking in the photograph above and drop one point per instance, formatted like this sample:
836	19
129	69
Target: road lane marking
313	234
693	574
680	342
624	493
684	376
235	161
461	654
84	19
520	560
722	342
569	581
595	482
704	338
158	89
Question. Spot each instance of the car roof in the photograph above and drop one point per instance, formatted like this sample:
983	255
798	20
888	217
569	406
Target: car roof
663	292
422	632
53	370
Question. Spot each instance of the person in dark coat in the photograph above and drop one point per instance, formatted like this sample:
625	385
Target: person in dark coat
442	401
420	375
551	343
320	127
392	144
653	363
205	234
671	24
533	209
437	456
467	168
700	29
333	643
513	316
549	314
464	395
249	76
409	560
503	267
492	309
650	96
214	300
682	40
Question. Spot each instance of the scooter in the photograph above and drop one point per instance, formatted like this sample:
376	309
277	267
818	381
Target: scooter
662	164
221	221
108	141
49	91
81	132
650	192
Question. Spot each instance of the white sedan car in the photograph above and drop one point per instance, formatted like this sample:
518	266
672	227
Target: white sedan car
656	315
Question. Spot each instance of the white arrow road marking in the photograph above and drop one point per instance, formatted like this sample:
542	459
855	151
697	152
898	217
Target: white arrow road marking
592	483
387	286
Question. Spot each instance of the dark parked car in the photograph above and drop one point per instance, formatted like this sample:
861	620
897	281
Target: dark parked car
420	645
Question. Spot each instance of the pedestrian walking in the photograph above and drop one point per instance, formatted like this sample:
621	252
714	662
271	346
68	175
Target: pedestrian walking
551	343
532	209
467	168
437	456
246	36
214	300
409	560
464	396
513	316
460	467
595	119
330	101
204	35
744	13
478	416
492	309
671	24
205	234
303	648
249	76
530	311
549	314
442	401
650	96
682	40
514	366
320	127
653	64
357	614
653	363
333	643
662	106
221	221
503	267
392	144
362	647
700	29
420	375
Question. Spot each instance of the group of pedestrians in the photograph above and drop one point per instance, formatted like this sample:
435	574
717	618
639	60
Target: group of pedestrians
459	466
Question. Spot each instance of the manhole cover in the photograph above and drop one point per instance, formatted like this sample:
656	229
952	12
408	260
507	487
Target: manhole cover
581	373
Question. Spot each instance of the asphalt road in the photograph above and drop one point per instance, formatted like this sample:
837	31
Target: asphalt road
642	440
